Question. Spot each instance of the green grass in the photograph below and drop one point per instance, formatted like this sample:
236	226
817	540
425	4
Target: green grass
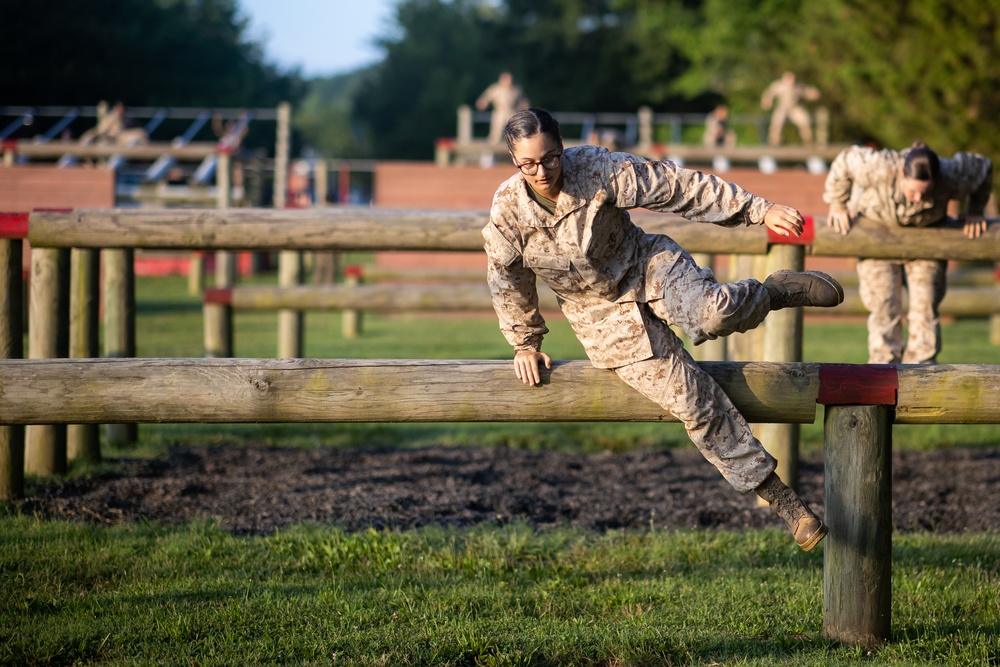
75	594
497	595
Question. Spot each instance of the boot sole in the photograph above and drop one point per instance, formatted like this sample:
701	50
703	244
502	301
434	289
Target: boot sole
832	282
815	538
825	277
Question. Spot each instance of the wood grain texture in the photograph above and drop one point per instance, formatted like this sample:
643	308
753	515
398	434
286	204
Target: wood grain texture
339	390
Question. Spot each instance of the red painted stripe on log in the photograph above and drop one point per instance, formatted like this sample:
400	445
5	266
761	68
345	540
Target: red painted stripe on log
13	225
858	384
807	237
219	295
9	144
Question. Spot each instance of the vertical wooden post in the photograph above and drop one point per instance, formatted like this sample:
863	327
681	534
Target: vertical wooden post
289	261
464	133
196	272
218	317
119	324
321	181
11	347
995	317
325	261
48	338
783	342
710	350
645	129
351	318
857	556
83	441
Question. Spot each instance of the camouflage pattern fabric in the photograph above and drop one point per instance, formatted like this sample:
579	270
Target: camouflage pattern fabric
866	182
619	287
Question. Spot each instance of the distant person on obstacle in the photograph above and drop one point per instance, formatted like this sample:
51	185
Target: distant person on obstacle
909	188
111	131
785	95
562	217
717	131
506	97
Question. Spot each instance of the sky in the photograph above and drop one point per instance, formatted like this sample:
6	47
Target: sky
323	37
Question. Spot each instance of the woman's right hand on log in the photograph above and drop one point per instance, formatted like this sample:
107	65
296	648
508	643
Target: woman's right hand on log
526	366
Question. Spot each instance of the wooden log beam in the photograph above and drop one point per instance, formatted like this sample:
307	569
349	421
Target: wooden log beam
374	297
343	228
53	391
341	390
385	229
958	302
53	150
876	241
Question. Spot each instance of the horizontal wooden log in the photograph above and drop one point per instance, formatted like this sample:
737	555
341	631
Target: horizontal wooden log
948	394
458	297
52	150
386	229
374	297
344	228
338	390
747	154
958	302
56	391
877	241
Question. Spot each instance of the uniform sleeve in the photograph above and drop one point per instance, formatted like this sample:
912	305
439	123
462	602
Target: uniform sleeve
512	289
852	166
662	186
973	175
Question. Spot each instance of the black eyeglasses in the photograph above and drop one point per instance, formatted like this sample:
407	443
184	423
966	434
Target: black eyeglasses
531	168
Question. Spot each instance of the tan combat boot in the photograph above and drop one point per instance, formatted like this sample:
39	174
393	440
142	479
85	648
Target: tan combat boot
789	289
807	528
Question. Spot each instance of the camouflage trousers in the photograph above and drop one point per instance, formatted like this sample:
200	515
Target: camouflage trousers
705	310
881	285
676	383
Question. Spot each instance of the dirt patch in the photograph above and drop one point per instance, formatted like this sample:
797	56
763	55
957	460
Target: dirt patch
257	489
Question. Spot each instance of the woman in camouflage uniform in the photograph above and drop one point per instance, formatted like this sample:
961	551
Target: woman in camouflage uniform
910	188
563	218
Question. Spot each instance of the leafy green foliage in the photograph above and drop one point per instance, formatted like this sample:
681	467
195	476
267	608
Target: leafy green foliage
141	52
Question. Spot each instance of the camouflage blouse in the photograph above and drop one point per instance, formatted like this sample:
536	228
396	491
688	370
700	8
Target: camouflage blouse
869	183
600	265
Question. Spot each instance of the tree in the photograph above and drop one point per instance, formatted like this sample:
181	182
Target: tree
141	52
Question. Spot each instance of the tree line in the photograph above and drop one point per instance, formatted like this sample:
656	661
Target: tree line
890	72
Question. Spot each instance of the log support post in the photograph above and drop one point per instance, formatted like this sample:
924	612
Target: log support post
83	441
351	318
857	552
119	324
11	347
48	338
783	342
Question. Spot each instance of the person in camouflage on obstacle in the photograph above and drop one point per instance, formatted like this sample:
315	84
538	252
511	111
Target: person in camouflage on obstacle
910	188
562	217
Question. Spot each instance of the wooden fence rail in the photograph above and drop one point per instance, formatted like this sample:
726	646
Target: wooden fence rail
861	401
65	391
958	302
386	229
375	229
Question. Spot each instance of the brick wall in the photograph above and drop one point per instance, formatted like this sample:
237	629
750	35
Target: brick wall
23	188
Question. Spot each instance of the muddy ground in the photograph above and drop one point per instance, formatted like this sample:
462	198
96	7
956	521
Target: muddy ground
257	489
